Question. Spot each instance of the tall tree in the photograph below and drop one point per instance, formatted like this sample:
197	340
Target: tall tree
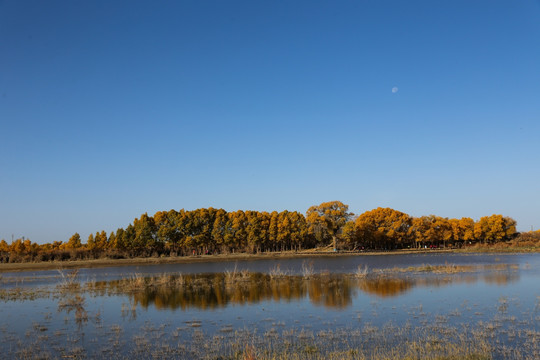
4	247
494	228
102	241
74	242
219	229
384	227
145	234
462	229
328	219
91	243
273	230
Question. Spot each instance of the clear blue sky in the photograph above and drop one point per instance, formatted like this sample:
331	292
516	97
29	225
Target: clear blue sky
109	109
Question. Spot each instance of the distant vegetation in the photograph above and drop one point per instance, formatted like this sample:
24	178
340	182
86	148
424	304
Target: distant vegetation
211	231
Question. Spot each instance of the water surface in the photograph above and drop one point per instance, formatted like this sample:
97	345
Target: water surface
117	307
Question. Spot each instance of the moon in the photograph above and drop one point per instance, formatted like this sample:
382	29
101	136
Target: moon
394	90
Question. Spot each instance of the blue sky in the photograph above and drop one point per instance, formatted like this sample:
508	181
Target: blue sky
112	109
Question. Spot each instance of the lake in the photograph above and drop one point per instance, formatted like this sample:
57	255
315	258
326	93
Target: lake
362	306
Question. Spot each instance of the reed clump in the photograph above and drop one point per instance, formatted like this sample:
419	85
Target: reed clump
70	281
277	272
361	271
307	269
451	268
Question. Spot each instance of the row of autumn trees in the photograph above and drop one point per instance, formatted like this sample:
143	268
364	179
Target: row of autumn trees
205	231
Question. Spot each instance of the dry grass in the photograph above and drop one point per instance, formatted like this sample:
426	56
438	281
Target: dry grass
368	342
277	272
451	268
361	272
436	340
24	294
307	269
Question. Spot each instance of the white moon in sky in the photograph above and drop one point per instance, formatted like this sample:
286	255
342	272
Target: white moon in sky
394	90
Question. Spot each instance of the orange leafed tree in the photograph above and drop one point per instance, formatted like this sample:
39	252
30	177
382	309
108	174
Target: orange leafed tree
494	228
327	219
384	227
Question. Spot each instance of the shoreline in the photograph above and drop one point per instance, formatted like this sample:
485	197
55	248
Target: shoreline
105	262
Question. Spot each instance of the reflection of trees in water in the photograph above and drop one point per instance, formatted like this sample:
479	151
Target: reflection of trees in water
331	291
213	291
209	291
385	287
501	278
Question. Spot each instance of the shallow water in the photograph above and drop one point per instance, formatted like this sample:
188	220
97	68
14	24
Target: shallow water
337	264
178	302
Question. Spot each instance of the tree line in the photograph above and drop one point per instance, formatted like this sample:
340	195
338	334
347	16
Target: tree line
211	231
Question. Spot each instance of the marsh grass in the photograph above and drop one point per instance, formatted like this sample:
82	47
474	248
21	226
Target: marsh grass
450	268
24	293
334	290
502	337
277	272
75	304
70	280
70	296
384	343
436	341
361	272
135	282
307	269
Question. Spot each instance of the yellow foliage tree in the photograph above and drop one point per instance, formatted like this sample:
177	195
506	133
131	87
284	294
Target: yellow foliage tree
462	229
384	227
327	219
74	242
494	228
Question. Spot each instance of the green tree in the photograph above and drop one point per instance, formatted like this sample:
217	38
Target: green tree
128	238
145	240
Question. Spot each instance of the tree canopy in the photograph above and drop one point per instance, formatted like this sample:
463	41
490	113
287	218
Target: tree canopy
327	220
209	231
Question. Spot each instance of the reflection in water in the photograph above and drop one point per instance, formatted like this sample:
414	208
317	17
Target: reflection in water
498	278
210	291
385	287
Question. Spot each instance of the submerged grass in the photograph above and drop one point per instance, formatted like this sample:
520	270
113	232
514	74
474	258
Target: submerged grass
244	286
436	339
365	343
451	268
24	294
